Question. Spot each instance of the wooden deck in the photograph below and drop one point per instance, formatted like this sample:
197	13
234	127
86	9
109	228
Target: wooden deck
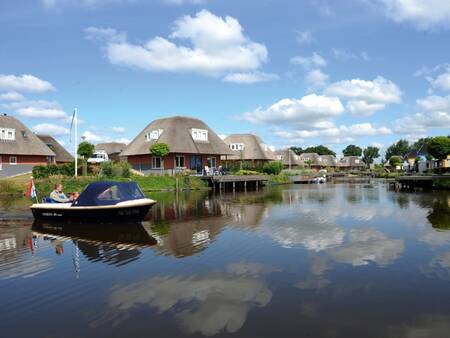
417	181
234	182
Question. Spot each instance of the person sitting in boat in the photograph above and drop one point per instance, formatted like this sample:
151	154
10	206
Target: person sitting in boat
58	195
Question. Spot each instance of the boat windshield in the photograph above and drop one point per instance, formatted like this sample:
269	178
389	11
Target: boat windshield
109	193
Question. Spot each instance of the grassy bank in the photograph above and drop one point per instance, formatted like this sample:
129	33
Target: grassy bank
44	186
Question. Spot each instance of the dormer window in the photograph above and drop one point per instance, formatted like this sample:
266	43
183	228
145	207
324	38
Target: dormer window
200	134
153	135
24	134
237	146
7	134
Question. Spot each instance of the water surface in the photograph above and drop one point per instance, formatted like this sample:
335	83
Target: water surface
296	261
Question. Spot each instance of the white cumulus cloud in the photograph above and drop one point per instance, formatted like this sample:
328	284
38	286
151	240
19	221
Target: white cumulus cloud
315	60
365	97
214	46
50	129
11	96
91	137
118	129
306	111
25	82
249	78
41	112
423	14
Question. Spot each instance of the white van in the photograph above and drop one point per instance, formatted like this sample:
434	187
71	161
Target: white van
98	157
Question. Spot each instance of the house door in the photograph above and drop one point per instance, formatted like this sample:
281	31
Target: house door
196	163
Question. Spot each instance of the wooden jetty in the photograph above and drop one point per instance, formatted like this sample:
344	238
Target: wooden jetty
302	179
412	182
235	182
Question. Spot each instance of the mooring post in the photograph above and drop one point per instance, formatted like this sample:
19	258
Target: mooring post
245	186
234	186
257	184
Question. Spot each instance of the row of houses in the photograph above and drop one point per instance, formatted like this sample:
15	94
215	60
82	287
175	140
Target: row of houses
193	145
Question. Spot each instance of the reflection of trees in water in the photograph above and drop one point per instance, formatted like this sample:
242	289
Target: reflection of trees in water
439	216
354	194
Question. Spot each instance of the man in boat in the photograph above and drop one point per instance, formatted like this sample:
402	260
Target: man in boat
58	195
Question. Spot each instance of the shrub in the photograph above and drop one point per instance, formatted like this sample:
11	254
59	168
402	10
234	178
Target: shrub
248	172
44	171
273	168
115	169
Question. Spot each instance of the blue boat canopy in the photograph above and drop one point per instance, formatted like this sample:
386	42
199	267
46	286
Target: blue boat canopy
108	193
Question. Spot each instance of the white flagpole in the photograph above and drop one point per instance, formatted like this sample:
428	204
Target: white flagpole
75	113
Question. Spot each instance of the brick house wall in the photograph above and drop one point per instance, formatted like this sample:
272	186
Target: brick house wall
144	162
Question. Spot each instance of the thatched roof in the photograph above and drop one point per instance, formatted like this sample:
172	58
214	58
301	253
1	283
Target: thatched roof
111	147
288	157
327	161
177	134
62	155
351	161
308	157
25	143
254	148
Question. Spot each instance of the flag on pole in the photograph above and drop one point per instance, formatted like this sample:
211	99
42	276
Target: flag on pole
31	190
71	126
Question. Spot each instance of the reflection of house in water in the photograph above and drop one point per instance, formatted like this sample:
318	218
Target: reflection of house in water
187	227
16	243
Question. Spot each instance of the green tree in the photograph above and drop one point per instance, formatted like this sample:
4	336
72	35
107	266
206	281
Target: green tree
297	150
352	150
85	149
439	147
395	161
370	154
400	148
320	149
159	149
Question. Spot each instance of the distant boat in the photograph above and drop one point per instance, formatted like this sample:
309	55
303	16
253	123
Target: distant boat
319	180
100	202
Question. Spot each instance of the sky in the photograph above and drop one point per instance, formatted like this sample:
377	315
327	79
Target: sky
296	73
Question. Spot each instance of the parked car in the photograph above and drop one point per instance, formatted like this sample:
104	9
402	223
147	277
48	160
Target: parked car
98	157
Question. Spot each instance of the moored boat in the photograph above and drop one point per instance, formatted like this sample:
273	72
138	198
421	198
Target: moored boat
100	202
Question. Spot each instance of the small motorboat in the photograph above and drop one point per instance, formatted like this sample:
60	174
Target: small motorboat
101	202
319	180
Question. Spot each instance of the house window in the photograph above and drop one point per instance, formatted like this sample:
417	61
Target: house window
13	160
237	146
7	134
212	162
199	134
179	161
157	163
153	135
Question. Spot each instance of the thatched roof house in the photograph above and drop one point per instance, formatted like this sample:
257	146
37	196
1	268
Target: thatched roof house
351	163
113	149
327	161
192	145
288	157
308	157
20	149
61	154
249	147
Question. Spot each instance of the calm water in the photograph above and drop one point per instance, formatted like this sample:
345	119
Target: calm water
299	261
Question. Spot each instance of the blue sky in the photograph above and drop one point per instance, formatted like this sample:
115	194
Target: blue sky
294	72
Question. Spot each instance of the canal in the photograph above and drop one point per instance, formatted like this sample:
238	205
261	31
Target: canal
332	260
